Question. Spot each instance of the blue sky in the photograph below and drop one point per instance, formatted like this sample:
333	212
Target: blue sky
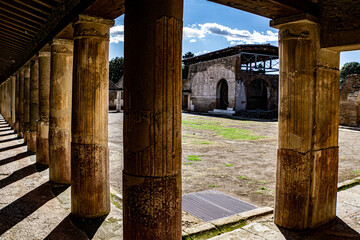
209	27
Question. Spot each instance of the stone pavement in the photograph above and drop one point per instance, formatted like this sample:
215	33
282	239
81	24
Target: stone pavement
33	208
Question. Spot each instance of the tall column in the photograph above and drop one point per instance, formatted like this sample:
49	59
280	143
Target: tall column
90	189
17	102
34	104
13	119
20	133
152	120
26	113
42	128
307	161
60	111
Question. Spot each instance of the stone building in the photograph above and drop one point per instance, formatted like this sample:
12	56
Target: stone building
64	46
232	79
116	95
350	101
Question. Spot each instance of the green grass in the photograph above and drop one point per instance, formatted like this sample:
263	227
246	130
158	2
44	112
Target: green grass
228	165
214	186
263	182
188	163
356	172
194	158
224	131
243	178
113	201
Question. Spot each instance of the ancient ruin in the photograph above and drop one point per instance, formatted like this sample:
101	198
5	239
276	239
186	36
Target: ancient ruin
233	79
54	32
350	101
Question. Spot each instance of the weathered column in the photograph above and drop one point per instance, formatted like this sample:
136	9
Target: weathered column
17	102
26	125
20	133
13	119
307	162
152	120
60	111
34	104
42	128
90	189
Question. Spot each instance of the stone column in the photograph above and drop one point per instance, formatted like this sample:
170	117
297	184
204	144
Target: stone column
13	119
60	111
307	161
34	104
152	120
26	125
42	128
90	189
17	103
20	133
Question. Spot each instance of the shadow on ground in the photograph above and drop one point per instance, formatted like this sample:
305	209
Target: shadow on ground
336	230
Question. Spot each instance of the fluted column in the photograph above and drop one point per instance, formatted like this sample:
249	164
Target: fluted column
42	128
34	105
152	120
20	133
13	119
17	102
90	190
307	161
26	111
60	110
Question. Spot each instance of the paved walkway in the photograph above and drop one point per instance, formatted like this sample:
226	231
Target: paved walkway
33	208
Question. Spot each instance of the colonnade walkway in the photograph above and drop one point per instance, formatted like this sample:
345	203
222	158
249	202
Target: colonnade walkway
31	207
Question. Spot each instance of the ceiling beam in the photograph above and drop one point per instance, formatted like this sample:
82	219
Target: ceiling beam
20	15
17	32
25	10
16	26
31	4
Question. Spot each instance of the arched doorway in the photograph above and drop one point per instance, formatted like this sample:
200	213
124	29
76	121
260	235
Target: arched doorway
256	95
222	92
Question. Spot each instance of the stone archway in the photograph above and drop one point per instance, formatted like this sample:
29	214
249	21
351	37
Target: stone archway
222	94
257	95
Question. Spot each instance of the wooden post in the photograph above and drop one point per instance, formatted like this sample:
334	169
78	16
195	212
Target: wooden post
26	107
34	104
307	162
152	120
90	189
42	128
60	111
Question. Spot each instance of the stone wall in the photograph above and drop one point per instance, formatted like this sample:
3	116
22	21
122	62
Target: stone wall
350	101
205	76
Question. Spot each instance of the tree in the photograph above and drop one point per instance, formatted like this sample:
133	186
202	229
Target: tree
116	69
185	67
349	68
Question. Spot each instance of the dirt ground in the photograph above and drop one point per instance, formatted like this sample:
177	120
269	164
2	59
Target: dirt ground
237	157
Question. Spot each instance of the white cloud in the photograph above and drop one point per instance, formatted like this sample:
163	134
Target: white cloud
202	52
117	34
192	40
233	35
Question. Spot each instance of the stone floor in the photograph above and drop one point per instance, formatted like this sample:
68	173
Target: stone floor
33	208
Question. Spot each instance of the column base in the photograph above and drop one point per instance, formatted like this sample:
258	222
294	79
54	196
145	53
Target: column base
90	187
152	207
42	143
31	141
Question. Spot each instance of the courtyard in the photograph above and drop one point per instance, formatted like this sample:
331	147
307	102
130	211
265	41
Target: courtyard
234	156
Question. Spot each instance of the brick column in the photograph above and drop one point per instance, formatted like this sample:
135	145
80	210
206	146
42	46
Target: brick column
90	189
152	120
307	162
60	111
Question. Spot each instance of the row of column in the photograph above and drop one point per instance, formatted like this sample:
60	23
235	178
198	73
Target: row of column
308	120
58	102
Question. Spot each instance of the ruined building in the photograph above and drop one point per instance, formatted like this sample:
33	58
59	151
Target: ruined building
232	79
54	92
350	101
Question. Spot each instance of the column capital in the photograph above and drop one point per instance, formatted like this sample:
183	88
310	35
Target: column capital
92	27
43	54
60	41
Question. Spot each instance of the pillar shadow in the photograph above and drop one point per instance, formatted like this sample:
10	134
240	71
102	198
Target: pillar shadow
12	147
4	130
7	134
8	140
23	207
15	158
4	125
336	230
21	173
75	228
